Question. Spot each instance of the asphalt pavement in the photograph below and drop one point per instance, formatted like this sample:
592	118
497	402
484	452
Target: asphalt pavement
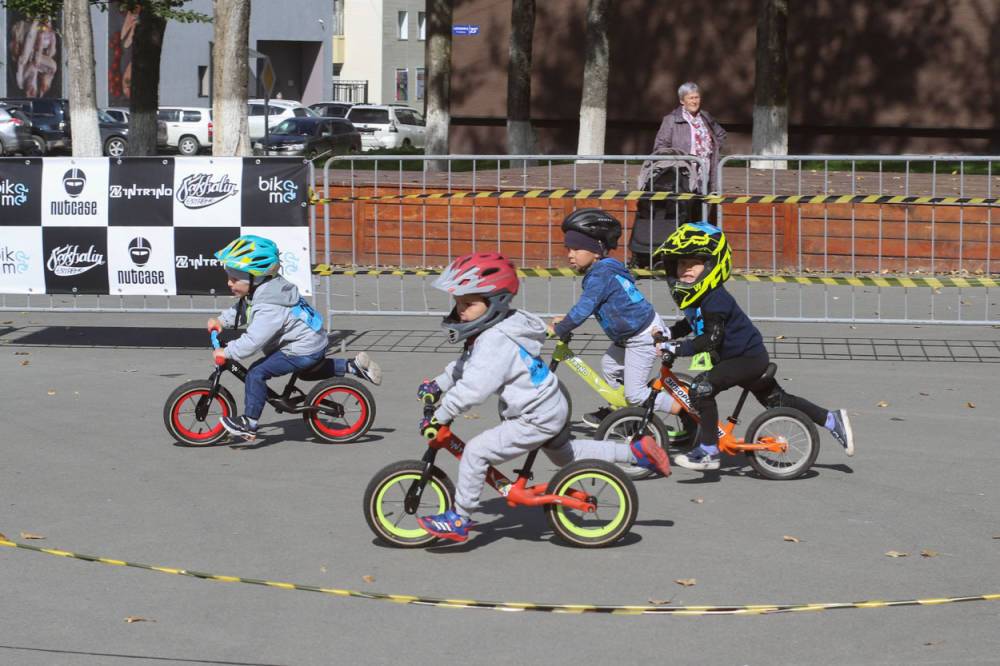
89	467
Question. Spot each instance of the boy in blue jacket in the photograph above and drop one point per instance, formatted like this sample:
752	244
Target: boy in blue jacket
697	260
610	294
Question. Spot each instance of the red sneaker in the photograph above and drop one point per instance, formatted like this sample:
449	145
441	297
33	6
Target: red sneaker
650	455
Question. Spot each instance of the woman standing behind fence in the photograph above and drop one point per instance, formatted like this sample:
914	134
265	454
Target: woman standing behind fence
693	131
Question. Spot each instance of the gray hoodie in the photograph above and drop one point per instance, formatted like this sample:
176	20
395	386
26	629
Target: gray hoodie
277	318
504	359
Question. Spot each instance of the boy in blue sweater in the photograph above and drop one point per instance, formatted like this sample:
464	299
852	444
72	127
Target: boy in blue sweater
610	294
697	260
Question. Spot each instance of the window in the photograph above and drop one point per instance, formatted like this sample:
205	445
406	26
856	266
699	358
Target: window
405	117
369	116
204	82
404	25
421	26
421	82
169	115
255	109
192	116
402	84
299	112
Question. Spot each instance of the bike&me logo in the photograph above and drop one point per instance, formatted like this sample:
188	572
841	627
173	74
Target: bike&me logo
278	191
67	260
73	181
13	262
200	190
140	250
13	194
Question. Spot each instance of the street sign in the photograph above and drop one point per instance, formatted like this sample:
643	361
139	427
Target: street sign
267	78
465	29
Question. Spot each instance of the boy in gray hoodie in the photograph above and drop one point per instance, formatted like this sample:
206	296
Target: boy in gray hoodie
502	356
279	322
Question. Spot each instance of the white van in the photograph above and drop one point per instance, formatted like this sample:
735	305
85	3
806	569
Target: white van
189	129
277	110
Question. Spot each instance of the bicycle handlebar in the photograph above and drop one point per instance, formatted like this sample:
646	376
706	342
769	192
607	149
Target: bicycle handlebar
217	345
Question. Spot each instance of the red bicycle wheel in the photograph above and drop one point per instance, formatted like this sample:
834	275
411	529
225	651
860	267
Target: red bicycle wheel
182	422
345	410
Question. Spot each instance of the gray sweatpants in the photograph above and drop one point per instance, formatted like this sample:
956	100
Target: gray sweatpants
519	436
631	366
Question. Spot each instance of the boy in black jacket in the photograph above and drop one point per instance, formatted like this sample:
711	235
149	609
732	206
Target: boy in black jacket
697	260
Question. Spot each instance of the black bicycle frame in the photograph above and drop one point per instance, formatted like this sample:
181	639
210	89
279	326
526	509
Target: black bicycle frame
282	402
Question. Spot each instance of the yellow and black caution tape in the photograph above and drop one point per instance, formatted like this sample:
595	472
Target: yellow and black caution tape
646	195
514	606
854	281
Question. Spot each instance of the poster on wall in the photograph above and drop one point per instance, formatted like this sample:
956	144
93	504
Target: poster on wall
121	31
33	57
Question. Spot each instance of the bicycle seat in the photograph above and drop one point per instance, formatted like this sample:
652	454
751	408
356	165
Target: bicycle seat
769	373
559	440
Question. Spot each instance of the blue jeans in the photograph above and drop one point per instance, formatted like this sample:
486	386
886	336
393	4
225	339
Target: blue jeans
272	365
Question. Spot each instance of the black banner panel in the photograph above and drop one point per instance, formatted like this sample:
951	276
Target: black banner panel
146	226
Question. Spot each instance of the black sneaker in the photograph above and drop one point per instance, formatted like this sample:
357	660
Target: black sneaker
842	432
240	426
593	419
364	367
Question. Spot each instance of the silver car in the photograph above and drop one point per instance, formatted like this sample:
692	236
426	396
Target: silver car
15	132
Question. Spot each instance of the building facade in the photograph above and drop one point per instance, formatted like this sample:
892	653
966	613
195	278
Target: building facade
382	46
298	43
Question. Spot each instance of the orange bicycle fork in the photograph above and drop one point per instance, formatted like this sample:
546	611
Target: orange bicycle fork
516	493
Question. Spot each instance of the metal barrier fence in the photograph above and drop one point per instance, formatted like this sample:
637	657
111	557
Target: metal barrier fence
416	234
947	243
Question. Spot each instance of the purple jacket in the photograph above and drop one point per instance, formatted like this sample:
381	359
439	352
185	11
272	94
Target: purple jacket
675	133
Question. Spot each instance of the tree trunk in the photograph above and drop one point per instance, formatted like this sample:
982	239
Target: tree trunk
82	85
230	72
437	54
144	94
594	102
520	134
770	105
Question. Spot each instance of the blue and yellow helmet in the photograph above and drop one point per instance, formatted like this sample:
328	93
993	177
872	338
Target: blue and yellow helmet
695	239
254	255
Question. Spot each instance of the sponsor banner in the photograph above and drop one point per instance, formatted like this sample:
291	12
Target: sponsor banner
141	260
21	192
293	243
195	265
275	192
76	260
141	192
22	266
75	192
207	191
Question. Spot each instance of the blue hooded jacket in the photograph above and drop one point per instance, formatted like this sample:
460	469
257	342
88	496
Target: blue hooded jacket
610	294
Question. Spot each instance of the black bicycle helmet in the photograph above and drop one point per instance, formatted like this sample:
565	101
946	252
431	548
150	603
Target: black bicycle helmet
595	223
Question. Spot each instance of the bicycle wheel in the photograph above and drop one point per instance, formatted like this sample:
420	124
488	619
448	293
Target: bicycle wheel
346	410
612	492
796	430
383	505
183	423
625	425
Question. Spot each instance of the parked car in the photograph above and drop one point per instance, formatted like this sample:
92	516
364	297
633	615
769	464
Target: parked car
15	132
277	110
49	120
119	113
114	135
310	138
189	129
332	109
388	126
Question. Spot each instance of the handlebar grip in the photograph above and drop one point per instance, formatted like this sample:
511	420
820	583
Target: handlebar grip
215	340
659	338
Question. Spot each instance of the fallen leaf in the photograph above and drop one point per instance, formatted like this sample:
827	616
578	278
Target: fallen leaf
970	405
896	418
22	353
881	403
660	602
896	553
930	643
25	362
698	500
922	393
928	553
686	582
29	535
368	579
790	538
779	337
51	392
135	618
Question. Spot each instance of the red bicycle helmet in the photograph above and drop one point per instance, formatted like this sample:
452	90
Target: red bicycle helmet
486	274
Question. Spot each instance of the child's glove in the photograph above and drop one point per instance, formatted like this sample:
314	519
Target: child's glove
669	351
219	356
429	392
429	427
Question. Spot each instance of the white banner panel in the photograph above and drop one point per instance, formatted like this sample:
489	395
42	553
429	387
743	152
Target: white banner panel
141	260
74	192
207	191
22	266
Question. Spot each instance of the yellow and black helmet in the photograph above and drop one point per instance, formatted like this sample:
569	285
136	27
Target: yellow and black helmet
695	239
